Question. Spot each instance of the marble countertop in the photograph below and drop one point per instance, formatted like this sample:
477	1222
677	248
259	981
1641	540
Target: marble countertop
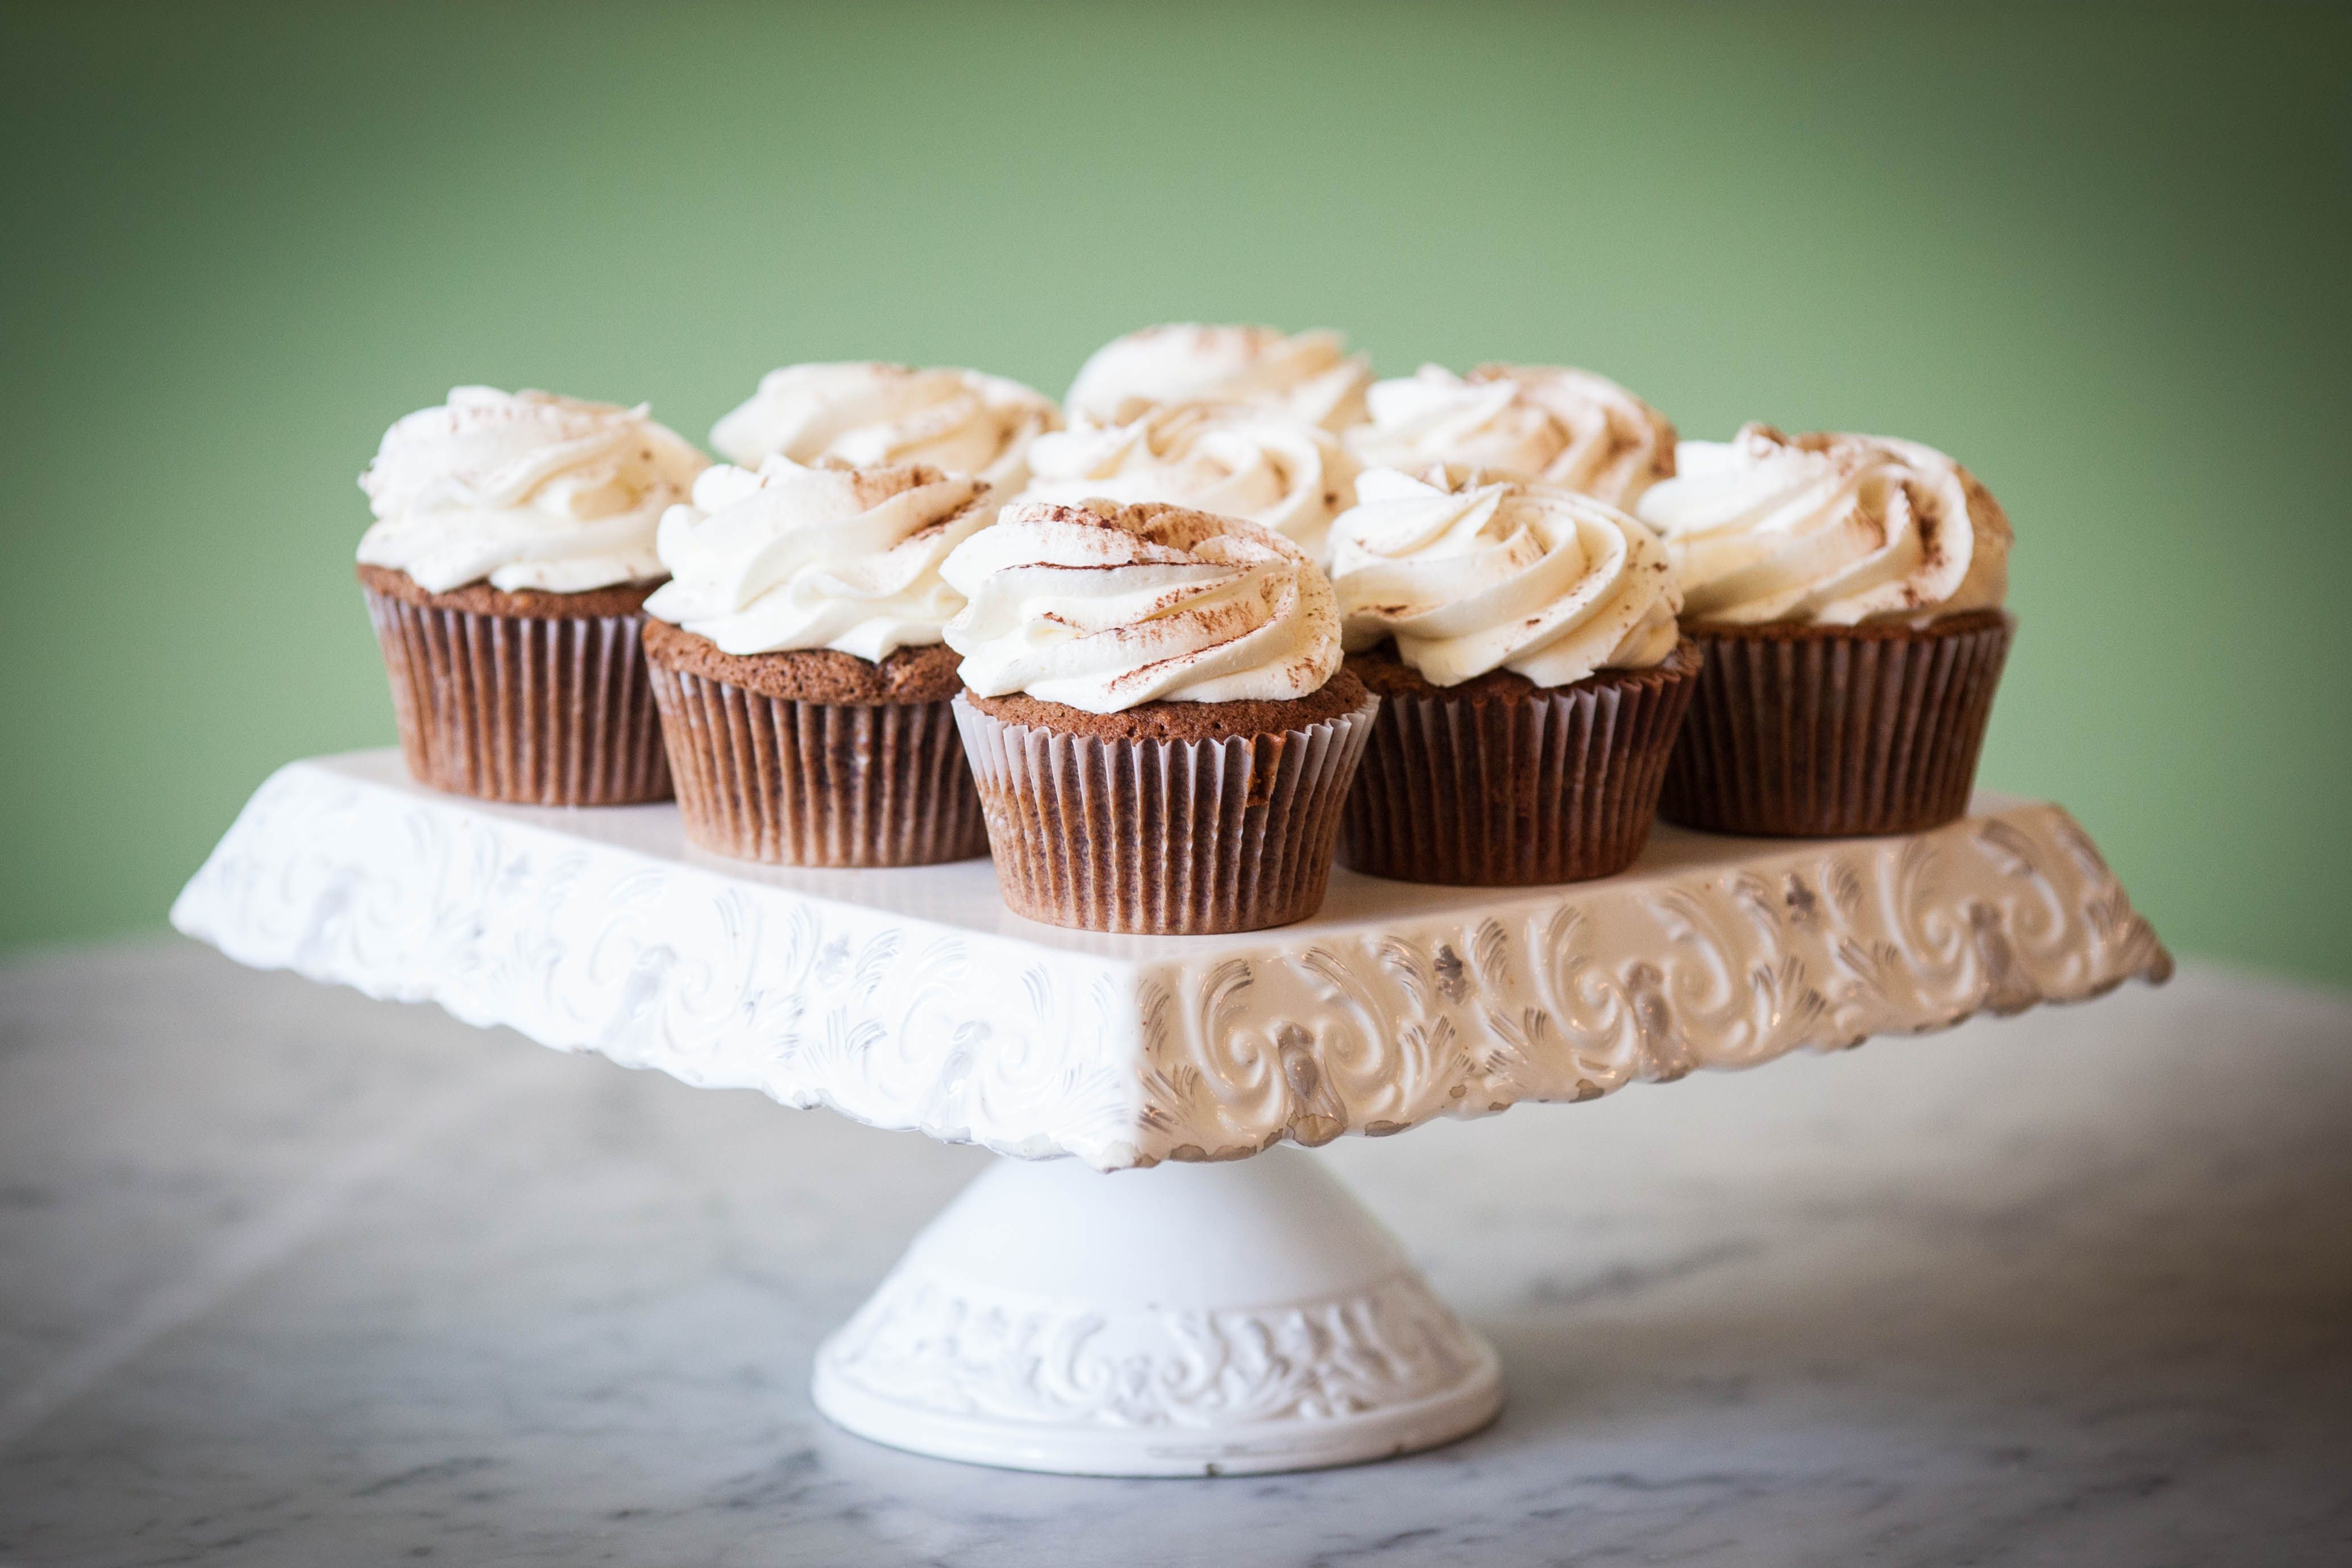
289	1276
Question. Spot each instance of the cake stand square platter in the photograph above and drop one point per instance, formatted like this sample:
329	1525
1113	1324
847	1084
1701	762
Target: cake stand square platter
1150	1283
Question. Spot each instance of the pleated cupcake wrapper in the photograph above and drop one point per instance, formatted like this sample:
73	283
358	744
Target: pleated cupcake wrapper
540	710
1181	837
813	783
1557	786
1834	734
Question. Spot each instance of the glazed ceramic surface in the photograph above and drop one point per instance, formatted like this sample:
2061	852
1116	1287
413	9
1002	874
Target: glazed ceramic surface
1188	1319
912	999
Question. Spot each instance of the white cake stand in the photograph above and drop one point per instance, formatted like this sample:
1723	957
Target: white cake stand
1198	1313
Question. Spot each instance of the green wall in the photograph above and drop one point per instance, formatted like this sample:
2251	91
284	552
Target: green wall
2100	256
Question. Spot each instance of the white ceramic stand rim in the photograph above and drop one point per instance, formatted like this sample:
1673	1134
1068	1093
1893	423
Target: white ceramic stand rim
1188	1320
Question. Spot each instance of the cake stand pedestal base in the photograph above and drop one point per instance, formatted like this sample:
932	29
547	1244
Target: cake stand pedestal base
1185	1320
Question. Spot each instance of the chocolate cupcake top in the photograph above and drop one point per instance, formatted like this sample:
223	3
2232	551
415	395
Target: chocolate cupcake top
874	414
1310	376
1828	529
1471	573
793	557
1563	426
1103	607
1227	458
526	489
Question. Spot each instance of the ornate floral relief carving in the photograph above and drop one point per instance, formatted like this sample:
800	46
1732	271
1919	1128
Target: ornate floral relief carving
929	1343
657	963
1568	995
1036	1047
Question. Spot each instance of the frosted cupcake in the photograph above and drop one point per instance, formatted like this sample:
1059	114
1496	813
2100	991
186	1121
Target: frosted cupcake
873	415
1309	377
1548	423
1228	459
1522	639
1155	716
511	558
1847	590
797	659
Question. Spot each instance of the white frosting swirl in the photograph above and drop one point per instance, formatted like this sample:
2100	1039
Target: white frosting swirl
1471	573
1563	426
527	489
1832	529
827	555
1101	609
1310	377
1232	460
874	414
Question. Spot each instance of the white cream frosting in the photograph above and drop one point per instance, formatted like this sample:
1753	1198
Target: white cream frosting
1228	459
1563	426
1310	376
1470	572
790	556
874	414
1100	609
1830	529
527	490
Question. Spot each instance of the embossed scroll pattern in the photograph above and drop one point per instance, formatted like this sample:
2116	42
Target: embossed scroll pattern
1130	1053
936	1344
1576	993
502	916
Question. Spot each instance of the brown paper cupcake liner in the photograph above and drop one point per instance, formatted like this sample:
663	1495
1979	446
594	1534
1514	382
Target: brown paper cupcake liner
1819	732
1556	784
817	783
1173	837
538	710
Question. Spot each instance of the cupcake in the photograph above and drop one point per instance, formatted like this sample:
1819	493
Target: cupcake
1563	426
1310	377
1847	590
878	415
1228	459
797	660
511	558
1155	716
1522	641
